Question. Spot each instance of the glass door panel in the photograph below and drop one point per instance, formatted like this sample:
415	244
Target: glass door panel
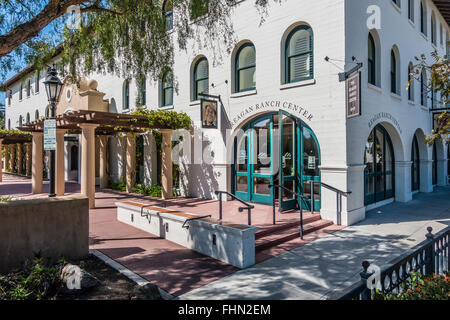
288	160
242	164
261	164
310	168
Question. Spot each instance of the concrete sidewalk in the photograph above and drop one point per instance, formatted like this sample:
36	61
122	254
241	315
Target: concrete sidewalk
319	269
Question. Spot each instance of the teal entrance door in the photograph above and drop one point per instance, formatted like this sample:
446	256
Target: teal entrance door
288	164
253	165
310	162
279	149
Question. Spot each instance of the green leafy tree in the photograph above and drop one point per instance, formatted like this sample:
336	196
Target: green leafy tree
127	37
438	73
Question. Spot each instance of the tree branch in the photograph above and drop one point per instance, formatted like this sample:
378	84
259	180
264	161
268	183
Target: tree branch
30	29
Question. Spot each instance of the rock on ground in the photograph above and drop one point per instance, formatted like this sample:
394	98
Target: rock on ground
146	292
77	280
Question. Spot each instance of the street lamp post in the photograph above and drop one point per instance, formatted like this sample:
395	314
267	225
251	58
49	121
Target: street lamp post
53	88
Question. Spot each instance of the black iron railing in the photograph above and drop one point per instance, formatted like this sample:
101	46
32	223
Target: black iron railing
192	219
428	257
298	196
339	194
247	207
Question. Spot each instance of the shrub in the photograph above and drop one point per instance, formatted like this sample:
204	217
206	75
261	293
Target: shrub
152	191
420	287
119	185
35	281
6	199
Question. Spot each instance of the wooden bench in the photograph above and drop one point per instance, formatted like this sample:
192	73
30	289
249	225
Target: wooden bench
229	242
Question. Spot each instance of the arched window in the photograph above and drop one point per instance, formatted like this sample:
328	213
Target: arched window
168	14
167	89
245	68
379	171
423	88
36	115
20	121
433	98
393	72
28	87
198	8
448	160
423	18
411	10
143	92
36	83
201	78
21	91
435	169
415	167
372	60
411	82
299	55
9	124
433	28
28	118
126	95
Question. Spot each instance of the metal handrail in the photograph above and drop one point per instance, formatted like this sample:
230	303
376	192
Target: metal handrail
344	193
339	194
298	195
192	219
247	207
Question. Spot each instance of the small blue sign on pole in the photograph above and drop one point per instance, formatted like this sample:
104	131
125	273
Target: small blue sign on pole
50	134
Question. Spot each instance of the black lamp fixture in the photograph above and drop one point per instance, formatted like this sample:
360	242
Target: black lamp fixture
53	87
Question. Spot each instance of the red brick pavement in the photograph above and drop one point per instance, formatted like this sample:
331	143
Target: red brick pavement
173	268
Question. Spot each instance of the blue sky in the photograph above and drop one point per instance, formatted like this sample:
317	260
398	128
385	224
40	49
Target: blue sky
53	31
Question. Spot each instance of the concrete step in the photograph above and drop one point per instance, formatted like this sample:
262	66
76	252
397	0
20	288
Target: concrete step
287	234
308	218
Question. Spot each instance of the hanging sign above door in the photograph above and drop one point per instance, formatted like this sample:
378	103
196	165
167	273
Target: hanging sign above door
353	88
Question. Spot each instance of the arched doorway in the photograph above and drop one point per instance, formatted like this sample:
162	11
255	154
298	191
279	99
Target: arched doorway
379	170
74	158
276	148
434	165
415	166
140	173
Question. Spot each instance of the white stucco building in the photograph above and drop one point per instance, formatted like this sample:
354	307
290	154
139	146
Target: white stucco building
278	76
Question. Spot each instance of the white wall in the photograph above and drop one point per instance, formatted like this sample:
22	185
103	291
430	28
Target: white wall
340	32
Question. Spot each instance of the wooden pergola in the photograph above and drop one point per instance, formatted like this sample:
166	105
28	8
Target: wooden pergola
107	123
103	124
10	138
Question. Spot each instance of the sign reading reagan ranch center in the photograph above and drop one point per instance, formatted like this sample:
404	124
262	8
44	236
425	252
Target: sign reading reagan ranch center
271	105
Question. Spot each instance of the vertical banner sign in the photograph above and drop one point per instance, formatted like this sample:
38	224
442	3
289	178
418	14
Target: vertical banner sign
50	134
353	85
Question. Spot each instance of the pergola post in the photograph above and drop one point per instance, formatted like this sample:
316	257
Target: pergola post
131	161
88	161
166	163
59	163
7	158
28	158
103	161
37	164
12	160
19	158
1	160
